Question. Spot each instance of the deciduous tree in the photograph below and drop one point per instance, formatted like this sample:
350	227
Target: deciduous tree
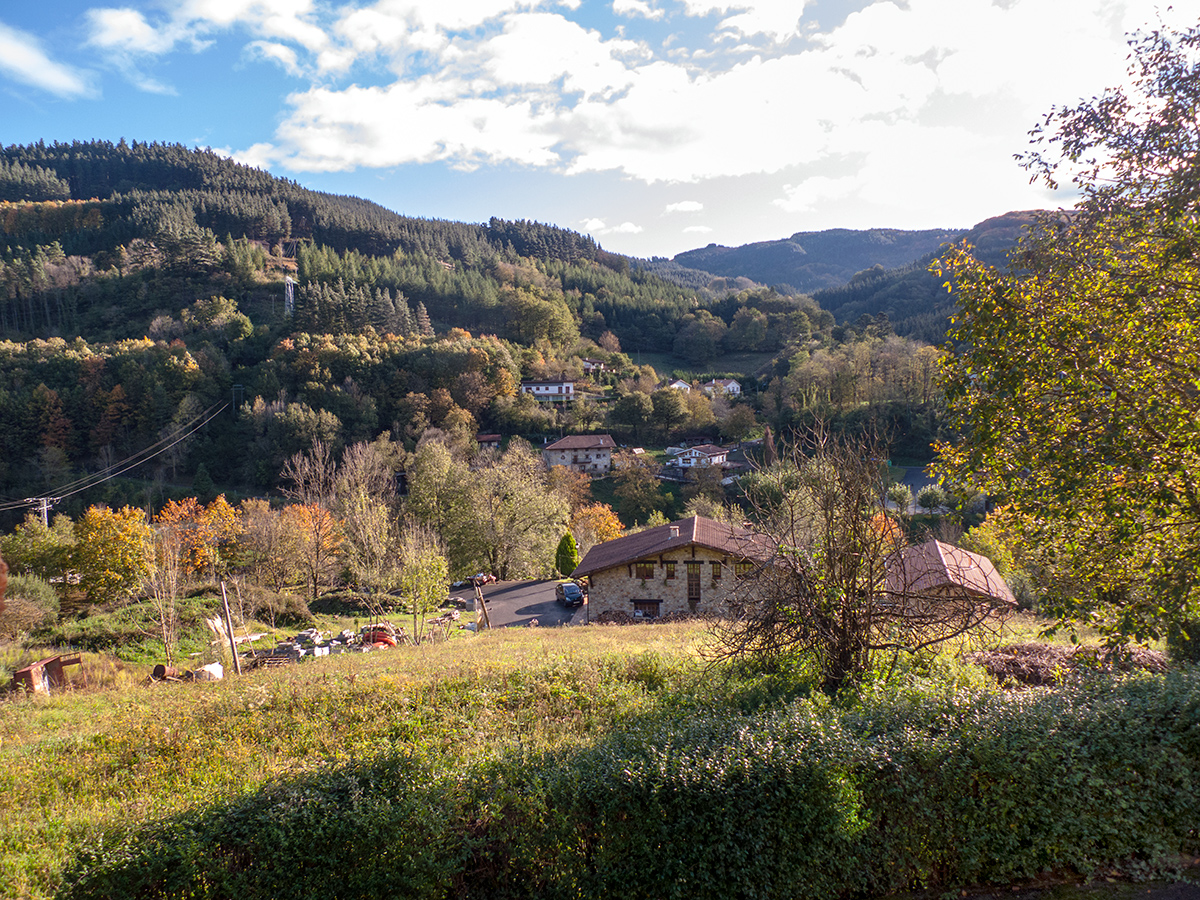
833	586
113	553
1077	381
595	524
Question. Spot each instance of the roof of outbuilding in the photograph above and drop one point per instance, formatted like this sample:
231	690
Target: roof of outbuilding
583	442
935	566
697	530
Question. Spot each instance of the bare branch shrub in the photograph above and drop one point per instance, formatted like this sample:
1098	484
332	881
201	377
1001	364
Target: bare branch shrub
837	582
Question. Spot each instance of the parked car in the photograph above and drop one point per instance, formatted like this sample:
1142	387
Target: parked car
569	593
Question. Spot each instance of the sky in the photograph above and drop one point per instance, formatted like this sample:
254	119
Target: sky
656	126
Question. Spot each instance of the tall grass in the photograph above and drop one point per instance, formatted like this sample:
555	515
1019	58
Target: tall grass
118	751
579	762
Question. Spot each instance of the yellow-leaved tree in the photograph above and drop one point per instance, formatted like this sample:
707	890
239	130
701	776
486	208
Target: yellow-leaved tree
113	553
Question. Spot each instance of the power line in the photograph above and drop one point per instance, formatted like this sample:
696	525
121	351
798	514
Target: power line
142	456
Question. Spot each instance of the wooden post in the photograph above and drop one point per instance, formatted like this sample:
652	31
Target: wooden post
482	607
237	663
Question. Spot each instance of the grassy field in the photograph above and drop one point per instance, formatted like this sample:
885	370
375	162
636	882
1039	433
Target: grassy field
123	751
668	365
80	767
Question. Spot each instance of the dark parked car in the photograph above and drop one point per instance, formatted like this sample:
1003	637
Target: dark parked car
569	593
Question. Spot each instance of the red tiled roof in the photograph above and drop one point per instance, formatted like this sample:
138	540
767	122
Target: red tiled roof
696	530
935	567
583	442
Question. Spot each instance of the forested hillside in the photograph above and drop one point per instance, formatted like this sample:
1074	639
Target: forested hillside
155	298
878	272
811	260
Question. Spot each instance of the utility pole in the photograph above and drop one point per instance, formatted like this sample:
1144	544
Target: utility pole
44	504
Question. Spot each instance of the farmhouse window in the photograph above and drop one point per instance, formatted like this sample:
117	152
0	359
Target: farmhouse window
742	569
716	571
670	570
648	608
643	570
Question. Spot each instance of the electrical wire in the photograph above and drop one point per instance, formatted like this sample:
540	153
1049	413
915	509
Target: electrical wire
131	462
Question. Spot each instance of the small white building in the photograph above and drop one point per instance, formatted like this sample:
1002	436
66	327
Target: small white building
549	391
722	385
680	385
699	457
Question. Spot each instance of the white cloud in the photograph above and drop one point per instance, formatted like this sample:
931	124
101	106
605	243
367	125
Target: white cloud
540	48
128	31
597	227
901	102
778	19
280	54
697	229
22	59
636	8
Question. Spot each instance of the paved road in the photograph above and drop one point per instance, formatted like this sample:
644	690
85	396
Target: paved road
517	603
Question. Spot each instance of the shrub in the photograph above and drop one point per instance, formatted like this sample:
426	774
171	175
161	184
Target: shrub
372	831
800	799
29	603
931	498
287	610
1183	641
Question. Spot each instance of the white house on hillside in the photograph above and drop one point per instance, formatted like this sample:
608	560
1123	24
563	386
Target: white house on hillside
549	390
588	453
722	385
704	455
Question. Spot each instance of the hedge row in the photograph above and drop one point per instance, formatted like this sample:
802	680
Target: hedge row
804	801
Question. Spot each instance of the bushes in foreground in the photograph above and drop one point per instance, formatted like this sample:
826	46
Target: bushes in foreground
802	800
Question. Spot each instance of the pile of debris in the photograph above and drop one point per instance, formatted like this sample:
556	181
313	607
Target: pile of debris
211	672
1046	665
314	643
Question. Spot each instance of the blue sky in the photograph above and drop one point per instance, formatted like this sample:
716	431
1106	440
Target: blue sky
654	125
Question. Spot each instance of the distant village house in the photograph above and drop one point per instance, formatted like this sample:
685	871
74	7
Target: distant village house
549	391
722	386
701	456
589	453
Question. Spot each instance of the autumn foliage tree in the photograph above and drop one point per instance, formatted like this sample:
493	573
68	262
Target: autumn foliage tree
319	539
1076	385
595	524
112	553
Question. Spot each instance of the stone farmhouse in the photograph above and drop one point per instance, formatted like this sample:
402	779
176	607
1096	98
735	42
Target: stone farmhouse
937	571
588	453
694	565
689	566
